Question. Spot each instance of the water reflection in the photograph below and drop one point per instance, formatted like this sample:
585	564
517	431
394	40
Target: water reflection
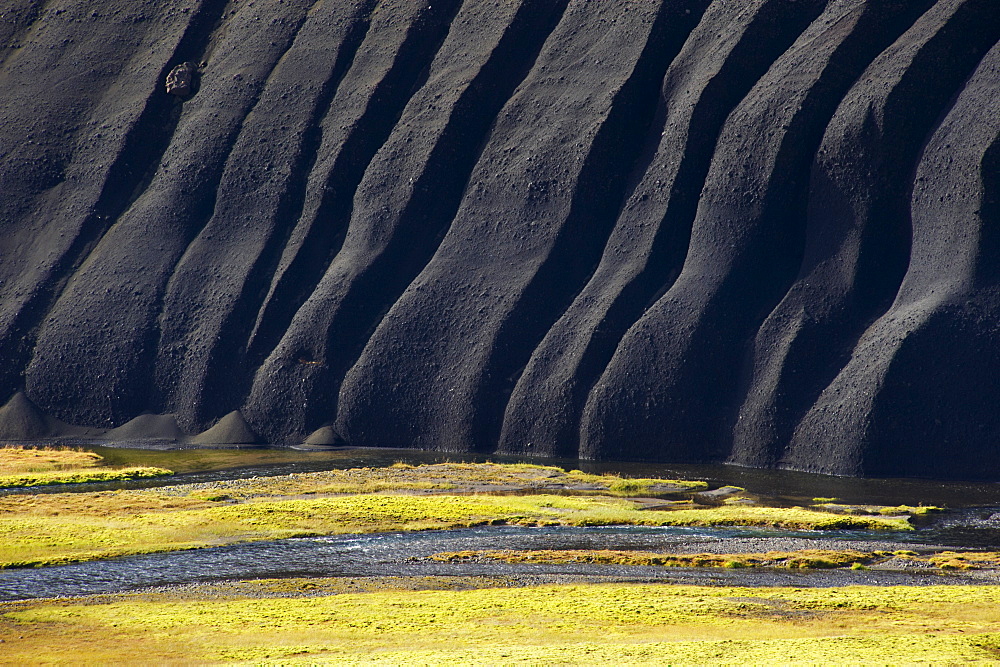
781	487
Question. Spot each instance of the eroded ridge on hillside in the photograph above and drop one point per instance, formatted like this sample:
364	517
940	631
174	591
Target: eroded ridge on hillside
674	230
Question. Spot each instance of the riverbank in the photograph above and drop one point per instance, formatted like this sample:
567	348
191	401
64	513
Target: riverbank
471	563
470	621
48	466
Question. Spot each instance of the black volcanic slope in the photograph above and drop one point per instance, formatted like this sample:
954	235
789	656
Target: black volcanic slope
757	231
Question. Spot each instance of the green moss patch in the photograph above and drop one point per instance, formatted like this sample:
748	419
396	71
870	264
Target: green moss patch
796	518
966	560
462	478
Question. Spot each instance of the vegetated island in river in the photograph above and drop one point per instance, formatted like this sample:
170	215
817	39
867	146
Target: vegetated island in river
48	529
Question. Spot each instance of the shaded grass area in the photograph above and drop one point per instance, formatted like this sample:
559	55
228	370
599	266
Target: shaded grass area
550	624
194	460
41	466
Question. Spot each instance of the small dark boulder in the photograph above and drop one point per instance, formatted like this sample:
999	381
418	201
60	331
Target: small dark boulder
719	494
180	80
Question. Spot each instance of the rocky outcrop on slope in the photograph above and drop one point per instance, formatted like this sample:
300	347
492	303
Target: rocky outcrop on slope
757	231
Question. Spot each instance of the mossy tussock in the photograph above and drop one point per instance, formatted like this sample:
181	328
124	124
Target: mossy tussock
967	560
459	478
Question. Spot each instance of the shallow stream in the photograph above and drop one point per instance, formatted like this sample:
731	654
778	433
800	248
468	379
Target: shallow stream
972	522
405	555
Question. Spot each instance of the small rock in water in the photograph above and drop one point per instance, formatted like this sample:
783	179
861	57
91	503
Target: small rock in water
720	493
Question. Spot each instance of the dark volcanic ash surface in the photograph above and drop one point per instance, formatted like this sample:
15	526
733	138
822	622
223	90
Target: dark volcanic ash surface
757	231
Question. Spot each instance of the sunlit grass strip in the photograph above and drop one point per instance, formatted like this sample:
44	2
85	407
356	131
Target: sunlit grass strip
569	624
634	486
80	476
16	459
911	510
36	537
805	558
40	466
459	477
795	518
968	560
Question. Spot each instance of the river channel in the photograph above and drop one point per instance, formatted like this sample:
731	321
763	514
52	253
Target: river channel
973	521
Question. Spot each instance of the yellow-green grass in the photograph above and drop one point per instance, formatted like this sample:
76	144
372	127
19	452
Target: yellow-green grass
207	459
967	560
795	518
451	477
803	558
15	460
633	486
553	624
60	528
499	477
40	466
80	476
883	510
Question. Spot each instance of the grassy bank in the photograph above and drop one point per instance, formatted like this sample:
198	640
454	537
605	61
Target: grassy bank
52	529
14	459
41	466
802	559
471	620
297	621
